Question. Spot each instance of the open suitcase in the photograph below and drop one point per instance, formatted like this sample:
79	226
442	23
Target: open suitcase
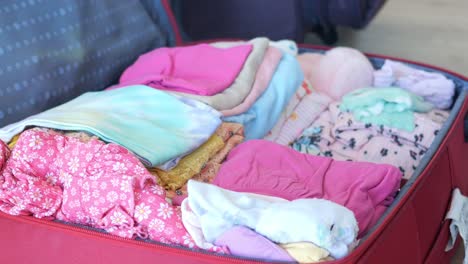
52	51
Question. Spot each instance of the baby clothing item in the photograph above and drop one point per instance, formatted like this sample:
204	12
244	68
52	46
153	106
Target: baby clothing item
340	71
306	252
308	109
244	242
192	164
265	112
262	79
91	183
433	87
189	165
298	96
391	107
264	167
200	69
458	213
285	45
339	135
235	94
319	221
181	124
231	134
193	225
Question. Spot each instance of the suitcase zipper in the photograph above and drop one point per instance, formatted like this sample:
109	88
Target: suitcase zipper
96	232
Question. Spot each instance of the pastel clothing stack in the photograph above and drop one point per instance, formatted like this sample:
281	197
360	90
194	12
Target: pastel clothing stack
339	135
264	167
433	87
235	94
262	79
181	124
200	69
393	107
91	183
265	112
331	226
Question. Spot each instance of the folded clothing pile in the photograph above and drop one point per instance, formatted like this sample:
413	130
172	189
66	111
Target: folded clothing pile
86	181
383	132
174	151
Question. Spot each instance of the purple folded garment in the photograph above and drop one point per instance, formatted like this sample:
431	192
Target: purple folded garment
244	242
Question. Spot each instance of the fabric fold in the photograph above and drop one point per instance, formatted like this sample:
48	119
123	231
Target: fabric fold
200	69
264	167
329	225
181	124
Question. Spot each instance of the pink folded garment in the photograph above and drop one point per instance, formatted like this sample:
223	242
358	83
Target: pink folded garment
90	182
263	167
262	79
201	69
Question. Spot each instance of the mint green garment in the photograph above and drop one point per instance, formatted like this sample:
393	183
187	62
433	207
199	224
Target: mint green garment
153	124
392	107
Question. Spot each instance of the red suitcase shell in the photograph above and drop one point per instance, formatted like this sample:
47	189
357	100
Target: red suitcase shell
413	230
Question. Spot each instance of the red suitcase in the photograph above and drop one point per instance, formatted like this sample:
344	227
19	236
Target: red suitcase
413	230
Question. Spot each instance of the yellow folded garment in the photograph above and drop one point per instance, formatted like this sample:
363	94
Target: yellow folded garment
306	252
13	141
189	165
82	136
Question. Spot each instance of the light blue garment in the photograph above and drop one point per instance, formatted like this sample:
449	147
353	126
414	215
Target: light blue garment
392	107
322	222
265	112
153	124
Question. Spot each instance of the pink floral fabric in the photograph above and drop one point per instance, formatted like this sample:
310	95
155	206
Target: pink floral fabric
87	182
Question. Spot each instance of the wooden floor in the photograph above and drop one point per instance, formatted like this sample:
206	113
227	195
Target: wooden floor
430	31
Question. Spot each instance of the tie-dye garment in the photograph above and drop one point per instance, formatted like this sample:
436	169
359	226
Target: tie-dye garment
181	124
92	183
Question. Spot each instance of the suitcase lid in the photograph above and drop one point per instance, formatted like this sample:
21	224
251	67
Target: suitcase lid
54	50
